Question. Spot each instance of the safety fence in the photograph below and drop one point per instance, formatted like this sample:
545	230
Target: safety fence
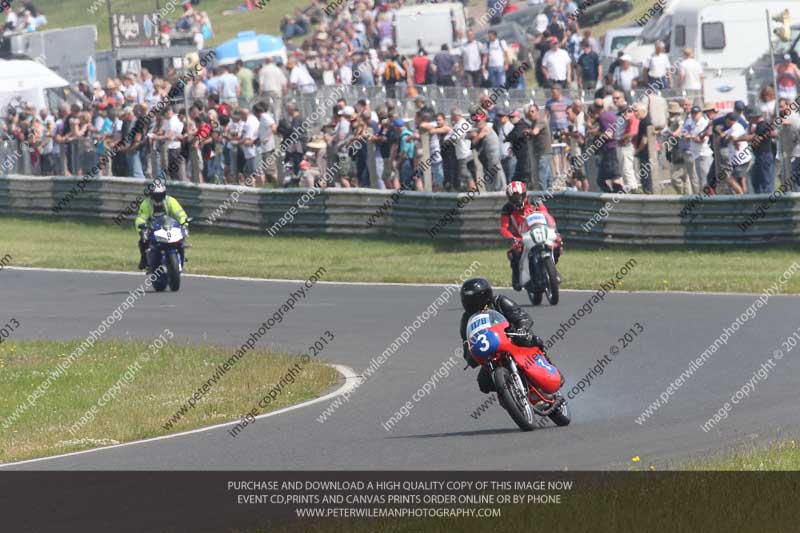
582	217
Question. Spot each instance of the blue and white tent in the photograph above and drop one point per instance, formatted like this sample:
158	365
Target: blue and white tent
250	47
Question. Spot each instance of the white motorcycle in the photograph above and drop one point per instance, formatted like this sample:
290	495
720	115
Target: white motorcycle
537	267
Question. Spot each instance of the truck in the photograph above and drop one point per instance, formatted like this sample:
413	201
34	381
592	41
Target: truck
430	25
729	37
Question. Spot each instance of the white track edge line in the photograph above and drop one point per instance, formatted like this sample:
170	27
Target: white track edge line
350	383
371	283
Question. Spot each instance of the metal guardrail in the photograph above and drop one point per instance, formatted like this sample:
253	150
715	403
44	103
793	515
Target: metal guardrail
633	219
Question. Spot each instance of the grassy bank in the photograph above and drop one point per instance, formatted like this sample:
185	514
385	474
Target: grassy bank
152	384
70	243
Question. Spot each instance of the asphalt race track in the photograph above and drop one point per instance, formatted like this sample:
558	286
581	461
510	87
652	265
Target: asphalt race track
439	432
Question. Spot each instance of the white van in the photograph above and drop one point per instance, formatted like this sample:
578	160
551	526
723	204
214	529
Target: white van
727	36
617	39
431	24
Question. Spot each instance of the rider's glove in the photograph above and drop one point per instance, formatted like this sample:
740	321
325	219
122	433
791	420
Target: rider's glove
467	355
536	340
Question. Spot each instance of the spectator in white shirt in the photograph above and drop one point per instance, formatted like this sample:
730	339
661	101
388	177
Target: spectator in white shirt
626	75
173	129
495	60
658	70
700	151
557	65
299	77
691	72
249	143
471	60
266	142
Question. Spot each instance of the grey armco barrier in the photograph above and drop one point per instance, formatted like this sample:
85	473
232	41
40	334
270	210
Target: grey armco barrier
633	219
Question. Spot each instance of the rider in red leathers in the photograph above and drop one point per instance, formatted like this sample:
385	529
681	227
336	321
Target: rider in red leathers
512	217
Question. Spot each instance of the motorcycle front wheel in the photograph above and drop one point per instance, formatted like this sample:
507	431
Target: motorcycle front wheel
160	281
173	272
514	400
535	297
551	290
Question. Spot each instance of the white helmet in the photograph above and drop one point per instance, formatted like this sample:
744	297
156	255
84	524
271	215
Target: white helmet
158	191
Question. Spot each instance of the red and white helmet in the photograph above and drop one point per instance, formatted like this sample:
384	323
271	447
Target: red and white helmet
517	193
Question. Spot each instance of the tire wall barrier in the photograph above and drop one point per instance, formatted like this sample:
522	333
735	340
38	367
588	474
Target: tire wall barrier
589	218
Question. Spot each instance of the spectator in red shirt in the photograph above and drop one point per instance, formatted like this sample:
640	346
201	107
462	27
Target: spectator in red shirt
421	64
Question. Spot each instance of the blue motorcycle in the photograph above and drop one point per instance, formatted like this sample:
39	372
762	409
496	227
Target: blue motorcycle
165	252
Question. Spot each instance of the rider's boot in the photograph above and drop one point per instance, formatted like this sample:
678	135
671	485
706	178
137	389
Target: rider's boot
514	260
142	255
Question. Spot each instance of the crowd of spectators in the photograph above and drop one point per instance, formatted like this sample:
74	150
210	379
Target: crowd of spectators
230	121
25	18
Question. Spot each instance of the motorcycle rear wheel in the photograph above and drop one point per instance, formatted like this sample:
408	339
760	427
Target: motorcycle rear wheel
521	414
561	416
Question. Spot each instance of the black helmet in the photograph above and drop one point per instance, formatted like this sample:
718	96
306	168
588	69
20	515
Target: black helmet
476	293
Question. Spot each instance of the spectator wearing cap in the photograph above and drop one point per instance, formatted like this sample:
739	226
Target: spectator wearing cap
791	120
406	152
700	155
340	140
761	137
678	146
626	75
737	163
486	143
556	65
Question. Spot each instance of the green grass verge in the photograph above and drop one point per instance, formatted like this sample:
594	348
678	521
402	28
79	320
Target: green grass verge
782	456
85	244
152	392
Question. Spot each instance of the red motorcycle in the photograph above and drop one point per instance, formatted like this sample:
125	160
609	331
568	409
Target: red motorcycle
527	382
